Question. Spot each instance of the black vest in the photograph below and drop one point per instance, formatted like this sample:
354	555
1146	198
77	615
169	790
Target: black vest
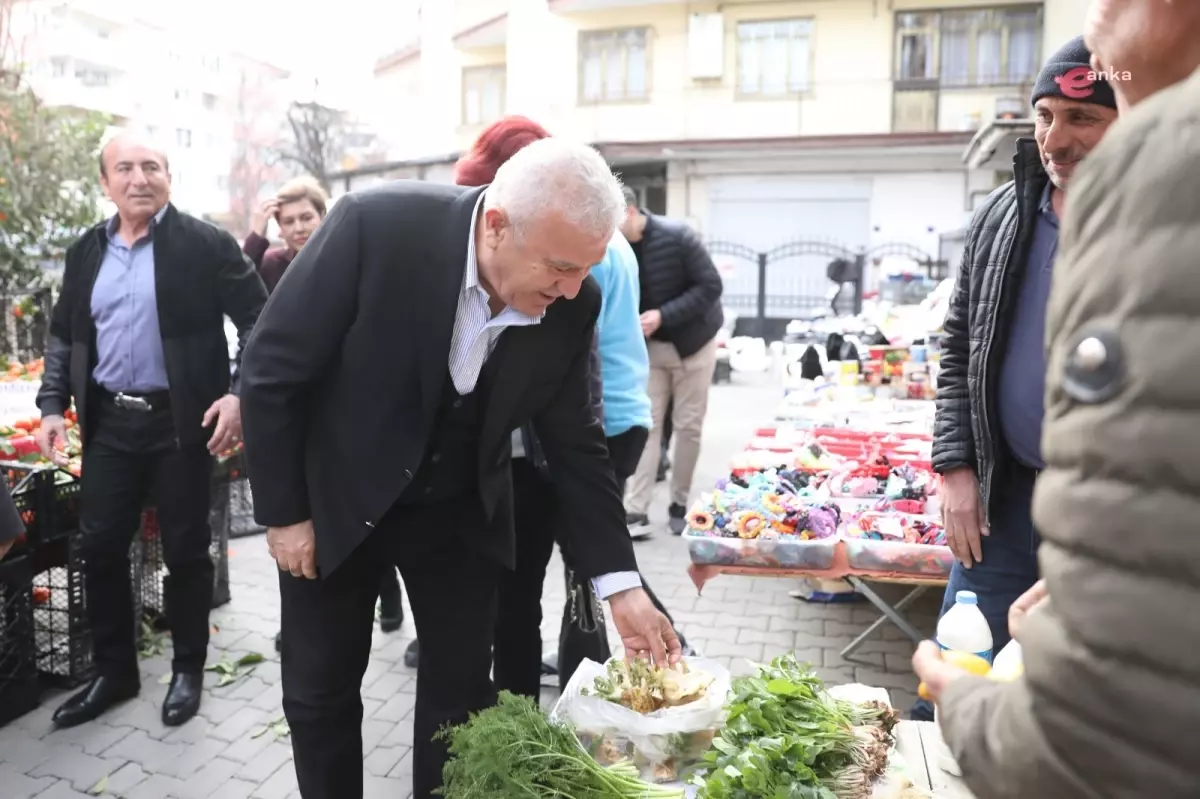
450	468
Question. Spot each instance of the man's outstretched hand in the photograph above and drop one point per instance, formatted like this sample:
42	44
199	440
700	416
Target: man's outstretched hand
644	630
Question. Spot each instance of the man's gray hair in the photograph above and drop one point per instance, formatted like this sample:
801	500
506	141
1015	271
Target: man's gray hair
556	175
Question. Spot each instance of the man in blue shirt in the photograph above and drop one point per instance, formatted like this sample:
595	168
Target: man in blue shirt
137	344
987	433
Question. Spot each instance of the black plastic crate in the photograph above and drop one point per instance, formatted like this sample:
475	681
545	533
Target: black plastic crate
47	498
150	572
241	510
219	519
20	690
62	637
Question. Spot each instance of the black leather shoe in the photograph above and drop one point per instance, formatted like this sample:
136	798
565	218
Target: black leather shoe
391	613
183	698
99	695
412	654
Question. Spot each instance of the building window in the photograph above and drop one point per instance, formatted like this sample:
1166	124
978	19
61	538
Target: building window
482	94
58	67
209	101
774	57
916	47
183	137
614	66
969	47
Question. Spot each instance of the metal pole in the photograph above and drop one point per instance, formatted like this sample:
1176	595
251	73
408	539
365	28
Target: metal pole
762	294
860	270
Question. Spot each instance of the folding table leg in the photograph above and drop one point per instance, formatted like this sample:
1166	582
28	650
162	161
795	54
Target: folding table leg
890	613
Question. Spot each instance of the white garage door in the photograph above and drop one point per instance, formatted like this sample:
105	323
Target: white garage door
765	214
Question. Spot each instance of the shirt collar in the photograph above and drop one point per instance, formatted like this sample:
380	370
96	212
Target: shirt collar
111	227
471	275
1045	207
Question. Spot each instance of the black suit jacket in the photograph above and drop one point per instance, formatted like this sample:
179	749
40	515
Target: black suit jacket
344	372
200	277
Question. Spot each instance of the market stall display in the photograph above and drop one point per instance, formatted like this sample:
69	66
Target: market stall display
776	732
846	493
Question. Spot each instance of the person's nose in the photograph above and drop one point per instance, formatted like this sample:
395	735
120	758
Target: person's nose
1059	141
569	287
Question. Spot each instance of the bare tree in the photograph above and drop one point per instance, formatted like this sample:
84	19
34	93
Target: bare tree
315	140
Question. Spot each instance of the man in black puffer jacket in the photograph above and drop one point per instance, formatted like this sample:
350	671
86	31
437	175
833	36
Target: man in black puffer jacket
987	434
681	315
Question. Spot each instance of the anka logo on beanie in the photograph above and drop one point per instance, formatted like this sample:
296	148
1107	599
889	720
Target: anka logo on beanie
1068	74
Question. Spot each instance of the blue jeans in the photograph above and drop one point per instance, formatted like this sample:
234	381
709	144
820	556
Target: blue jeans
1009	567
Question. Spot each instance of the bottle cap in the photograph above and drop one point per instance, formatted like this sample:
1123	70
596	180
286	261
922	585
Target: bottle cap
966	598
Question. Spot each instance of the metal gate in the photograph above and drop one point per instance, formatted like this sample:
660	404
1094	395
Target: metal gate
797	280
743	271
791	281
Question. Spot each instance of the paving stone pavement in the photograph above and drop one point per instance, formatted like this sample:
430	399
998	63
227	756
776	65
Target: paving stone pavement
232	750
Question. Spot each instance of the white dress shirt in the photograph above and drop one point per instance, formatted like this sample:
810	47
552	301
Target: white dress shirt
476	332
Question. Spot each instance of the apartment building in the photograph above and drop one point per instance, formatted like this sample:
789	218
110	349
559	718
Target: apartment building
762	122
201	104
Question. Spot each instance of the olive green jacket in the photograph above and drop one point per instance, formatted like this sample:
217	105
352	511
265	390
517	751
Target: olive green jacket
1110	701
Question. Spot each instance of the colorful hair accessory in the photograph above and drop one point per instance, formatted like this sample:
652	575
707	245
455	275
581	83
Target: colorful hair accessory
750	524
699	520
773	503
782	526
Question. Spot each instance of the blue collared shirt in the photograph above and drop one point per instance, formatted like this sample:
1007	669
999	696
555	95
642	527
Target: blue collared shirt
124	305
1020	393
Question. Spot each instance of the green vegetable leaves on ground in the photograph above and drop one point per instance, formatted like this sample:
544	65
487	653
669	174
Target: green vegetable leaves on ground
233	670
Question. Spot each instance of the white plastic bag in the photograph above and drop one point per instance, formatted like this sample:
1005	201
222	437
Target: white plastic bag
661	744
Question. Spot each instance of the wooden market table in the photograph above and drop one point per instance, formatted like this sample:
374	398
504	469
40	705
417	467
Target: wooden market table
930	766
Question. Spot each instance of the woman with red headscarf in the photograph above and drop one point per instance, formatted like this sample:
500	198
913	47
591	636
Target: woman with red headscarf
621	402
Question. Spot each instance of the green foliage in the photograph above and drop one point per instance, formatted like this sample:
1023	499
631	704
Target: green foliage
512	751
49	182
786	738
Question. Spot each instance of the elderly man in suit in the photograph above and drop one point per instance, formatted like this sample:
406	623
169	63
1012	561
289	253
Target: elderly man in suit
415	331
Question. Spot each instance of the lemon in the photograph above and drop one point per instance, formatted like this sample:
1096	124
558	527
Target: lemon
963	660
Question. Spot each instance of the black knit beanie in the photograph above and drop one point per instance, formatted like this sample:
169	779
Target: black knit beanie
1068	73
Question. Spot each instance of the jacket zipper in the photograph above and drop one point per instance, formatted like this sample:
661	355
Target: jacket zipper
1018	188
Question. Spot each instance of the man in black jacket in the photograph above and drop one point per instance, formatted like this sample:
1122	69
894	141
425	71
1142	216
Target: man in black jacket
987	433
138	342
681	316
414	332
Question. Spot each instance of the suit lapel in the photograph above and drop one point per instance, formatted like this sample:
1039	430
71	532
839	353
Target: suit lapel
438	310
510	367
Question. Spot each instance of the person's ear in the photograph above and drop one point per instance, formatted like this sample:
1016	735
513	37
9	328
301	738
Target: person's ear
495	226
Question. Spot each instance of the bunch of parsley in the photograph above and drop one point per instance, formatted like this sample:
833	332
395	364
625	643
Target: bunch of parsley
786	738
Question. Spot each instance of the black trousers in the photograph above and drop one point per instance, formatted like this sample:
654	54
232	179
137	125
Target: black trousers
326	643
537	517
133	458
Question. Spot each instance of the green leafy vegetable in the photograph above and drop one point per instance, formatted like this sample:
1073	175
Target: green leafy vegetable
512	750
786	738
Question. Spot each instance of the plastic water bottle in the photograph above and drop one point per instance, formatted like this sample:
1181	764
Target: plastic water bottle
964	628
1009	663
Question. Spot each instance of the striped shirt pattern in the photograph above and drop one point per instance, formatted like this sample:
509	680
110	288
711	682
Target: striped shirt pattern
474	339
